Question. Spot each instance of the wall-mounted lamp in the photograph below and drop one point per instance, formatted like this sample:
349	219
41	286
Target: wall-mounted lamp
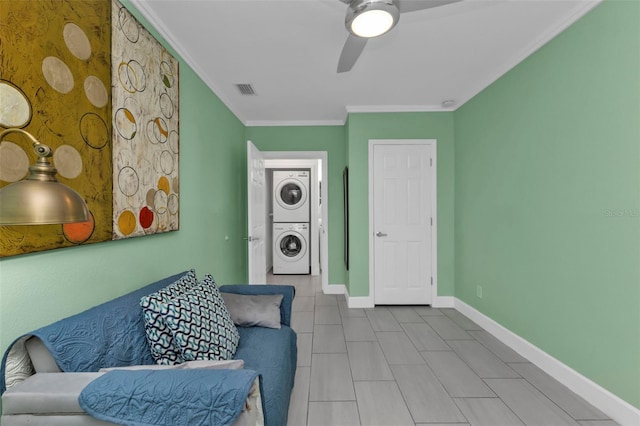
40	199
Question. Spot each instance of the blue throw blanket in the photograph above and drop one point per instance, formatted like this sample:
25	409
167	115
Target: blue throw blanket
168	397
108	335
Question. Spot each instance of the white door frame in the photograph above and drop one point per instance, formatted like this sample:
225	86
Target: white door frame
434	210
314	201
324	234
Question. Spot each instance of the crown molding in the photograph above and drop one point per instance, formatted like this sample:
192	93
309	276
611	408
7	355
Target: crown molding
142	7
534	46
275	123
397	108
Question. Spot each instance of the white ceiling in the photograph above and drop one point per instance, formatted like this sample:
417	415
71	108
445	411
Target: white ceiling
288	51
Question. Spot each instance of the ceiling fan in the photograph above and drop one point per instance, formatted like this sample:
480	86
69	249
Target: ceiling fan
372	18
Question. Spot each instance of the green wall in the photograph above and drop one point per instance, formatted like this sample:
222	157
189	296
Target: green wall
39	288
547	171
546	166
418	125
315	138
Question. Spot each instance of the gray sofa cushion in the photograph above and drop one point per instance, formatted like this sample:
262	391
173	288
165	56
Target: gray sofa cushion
47	393
232	364
53	420
254	310
40	356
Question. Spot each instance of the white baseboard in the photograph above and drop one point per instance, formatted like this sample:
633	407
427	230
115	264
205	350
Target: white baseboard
335	289
620	411
352	302
443	302
367	301
358	302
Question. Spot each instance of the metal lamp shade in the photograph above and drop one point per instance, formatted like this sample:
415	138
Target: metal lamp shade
40	199
34	202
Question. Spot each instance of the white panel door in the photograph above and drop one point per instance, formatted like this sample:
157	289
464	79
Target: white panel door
402	224
256	206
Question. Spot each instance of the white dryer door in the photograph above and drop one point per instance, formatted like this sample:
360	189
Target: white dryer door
290	194
290	246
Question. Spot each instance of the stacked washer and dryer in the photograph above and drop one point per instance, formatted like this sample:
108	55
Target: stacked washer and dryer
291	215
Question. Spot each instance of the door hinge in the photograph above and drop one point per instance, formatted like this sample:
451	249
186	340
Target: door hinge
431	162
432	281
431	221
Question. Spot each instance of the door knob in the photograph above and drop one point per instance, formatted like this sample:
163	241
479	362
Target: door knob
380	234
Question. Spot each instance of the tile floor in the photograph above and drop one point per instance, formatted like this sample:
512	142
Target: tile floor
394	366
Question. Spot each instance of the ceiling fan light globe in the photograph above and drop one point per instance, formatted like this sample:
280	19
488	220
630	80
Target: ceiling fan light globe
371	18
372	23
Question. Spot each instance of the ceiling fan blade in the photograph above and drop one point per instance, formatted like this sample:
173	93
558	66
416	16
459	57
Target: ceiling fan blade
415	5
351	51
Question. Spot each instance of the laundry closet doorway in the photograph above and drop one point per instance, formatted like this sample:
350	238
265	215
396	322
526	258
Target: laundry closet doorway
313	163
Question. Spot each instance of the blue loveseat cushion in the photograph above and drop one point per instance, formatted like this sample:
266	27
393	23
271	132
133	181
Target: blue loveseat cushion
273	353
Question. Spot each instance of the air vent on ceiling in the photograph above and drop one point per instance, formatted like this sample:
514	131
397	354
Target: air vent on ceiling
246	89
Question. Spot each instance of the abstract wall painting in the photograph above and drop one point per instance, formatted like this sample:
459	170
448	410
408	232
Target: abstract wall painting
93	84
55	65
145	131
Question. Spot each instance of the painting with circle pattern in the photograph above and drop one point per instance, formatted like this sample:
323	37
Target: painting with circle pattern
55	75
145	130
85	78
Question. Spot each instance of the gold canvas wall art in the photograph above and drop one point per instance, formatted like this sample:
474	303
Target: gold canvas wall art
55	83
85	78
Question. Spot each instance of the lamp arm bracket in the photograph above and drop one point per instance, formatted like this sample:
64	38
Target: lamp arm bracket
41	149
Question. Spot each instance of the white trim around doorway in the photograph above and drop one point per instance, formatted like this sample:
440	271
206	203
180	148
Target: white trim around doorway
324	236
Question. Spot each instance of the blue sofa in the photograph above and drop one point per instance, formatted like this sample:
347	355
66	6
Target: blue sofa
33	376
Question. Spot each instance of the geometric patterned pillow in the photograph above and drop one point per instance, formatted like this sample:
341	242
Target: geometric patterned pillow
201	325
159	337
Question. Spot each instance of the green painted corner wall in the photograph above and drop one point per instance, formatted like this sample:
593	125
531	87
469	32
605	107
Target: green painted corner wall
39	288
546	170
413	125
315	138
547	221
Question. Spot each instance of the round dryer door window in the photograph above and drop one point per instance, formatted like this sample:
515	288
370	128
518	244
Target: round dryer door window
291	246
291	194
